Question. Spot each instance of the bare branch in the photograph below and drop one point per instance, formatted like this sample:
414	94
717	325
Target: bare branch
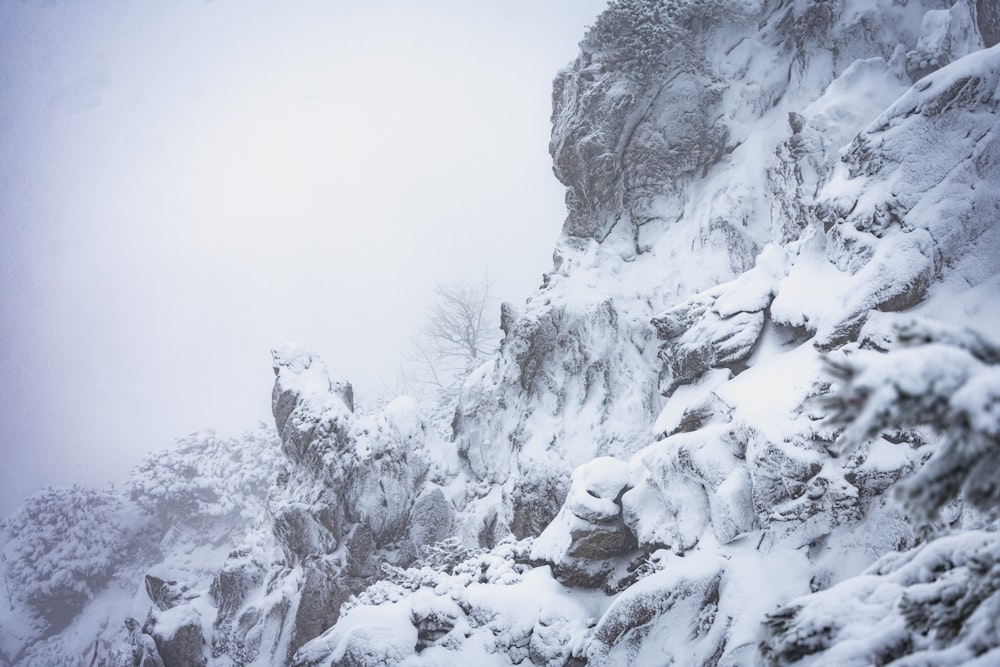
460	332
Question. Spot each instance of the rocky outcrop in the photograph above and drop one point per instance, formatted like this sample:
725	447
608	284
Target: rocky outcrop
589	530
178	635
785	151
548	404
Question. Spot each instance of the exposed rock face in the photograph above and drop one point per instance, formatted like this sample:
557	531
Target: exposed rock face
348	494
548	405
178	636
590	528
164	594
784	145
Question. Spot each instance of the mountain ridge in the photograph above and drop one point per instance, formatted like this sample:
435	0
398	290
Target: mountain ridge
761	195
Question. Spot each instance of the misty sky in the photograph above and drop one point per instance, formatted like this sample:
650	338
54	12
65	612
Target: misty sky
184	185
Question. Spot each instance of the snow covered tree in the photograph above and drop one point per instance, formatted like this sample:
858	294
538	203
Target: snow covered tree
209	480
942	378
936	603
60	548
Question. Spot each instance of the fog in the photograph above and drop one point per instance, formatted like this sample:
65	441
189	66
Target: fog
185	185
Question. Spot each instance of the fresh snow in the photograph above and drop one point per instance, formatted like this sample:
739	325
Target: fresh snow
750	417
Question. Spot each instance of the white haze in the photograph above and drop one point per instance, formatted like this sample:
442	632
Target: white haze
185	185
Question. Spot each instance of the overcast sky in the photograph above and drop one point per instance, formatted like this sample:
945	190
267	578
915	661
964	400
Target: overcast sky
184	185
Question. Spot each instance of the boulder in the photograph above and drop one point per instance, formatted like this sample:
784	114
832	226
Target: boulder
178	635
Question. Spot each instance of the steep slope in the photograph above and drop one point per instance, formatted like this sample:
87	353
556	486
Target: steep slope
761	194
765	183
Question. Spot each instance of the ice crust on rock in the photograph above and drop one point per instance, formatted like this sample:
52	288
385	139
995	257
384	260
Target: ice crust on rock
651	468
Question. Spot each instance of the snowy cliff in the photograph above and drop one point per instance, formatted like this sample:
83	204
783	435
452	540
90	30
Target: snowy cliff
752	416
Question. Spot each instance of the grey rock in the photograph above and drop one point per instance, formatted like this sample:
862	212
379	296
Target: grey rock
619	632
431	519
561	362
165	594
238	577
321	593
381	491
301	532
178	636
625	142
597	542
988	20
534	502
780	473
711	342
360	547
431	625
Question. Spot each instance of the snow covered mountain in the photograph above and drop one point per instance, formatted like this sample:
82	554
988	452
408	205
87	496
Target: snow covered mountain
752	416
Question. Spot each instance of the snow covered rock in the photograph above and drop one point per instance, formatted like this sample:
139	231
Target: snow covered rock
745	266
178	635
945	35
700	339
548	404
702	421
666	616
589	528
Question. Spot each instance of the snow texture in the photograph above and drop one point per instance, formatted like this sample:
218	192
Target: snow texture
751	416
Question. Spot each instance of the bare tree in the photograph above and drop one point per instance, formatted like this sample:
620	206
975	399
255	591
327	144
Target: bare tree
460	332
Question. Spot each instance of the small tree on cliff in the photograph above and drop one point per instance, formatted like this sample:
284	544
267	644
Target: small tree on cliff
461	331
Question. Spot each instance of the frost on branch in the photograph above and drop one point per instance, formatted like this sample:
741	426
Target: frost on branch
945	379
934	605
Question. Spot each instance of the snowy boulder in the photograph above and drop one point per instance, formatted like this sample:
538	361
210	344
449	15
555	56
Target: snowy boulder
694	481
713	342
384	637
779	471
692	406
588	529
596	543
664	618
596	489
178	636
